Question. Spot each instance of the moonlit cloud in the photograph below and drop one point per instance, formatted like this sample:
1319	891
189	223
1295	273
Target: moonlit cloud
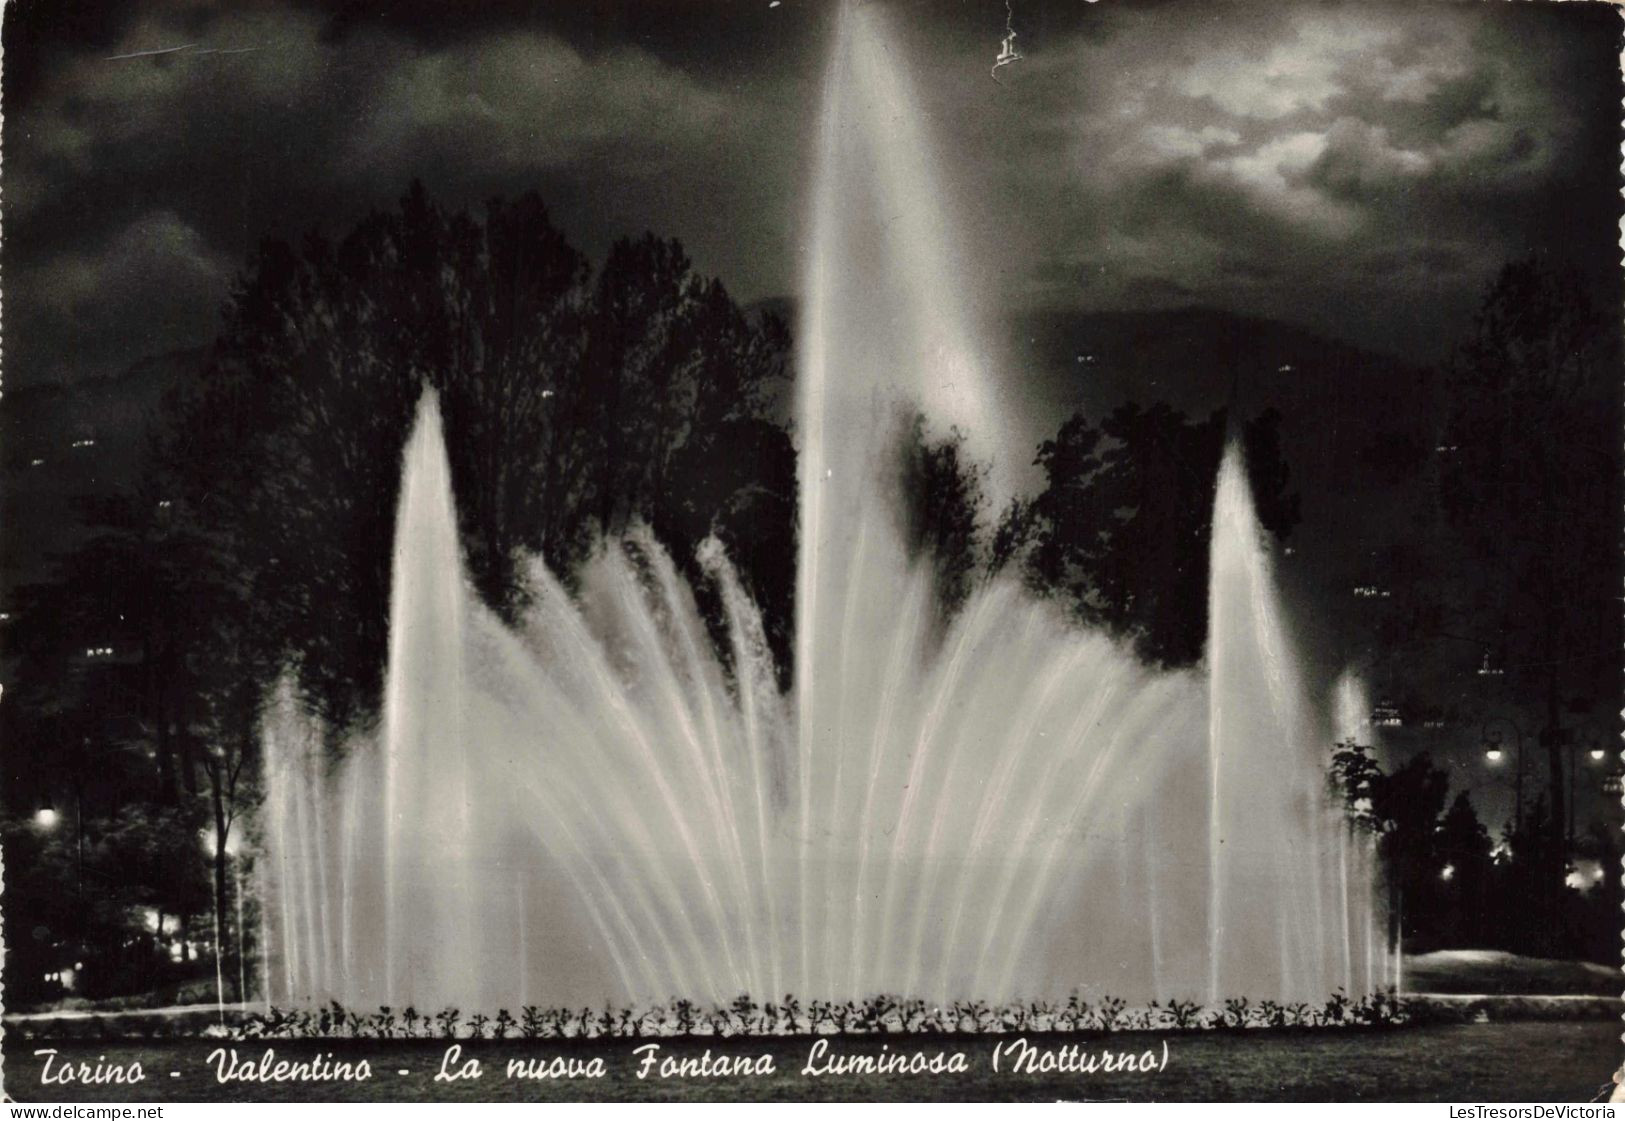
1272	159
530	102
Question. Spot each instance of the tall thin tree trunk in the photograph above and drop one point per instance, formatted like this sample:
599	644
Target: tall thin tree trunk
160	720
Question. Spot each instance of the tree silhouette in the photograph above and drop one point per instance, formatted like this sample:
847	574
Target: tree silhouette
1406	804
1120	532
567	399
943	501
1462	899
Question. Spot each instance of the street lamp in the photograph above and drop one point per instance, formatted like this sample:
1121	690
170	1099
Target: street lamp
45	817
1493	754
1596	754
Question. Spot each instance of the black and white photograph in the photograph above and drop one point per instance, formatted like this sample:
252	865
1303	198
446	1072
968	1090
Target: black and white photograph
811	550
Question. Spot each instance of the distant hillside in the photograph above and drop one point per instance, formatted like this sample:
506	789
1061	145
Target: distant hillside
61	441
1334	396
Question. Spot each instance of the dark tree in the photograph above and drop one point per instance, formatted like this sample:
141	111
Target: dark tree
943	504
1355	779
736	481
1463	896
1121	531
1407	803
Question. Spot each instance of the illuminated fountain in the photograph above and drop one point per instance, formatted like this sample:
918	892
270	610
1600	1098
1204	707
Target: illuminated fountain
594	807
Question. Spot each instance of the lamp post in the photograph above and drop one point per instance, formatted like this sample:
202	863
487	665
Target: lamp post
79	841
1596	755
1493	753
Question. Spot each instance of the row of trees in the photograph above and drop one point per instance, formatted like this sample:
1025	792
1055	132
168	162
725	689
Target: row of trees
574	402
1449	884
1118	536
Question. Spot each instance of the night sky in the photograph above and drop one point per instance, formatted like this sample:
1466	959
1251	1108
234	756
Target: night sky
1359	169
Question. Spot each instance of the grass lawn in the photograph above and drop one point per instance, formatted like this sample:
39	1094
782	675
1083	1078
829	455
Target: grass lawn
1568	1061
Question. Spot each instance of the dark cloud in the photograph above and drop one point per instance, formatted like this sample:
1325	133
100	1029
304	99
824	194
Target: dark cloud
275	118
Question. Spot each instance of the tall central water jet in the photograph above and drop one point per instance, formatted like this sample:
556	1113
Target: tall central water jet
594	806
886	333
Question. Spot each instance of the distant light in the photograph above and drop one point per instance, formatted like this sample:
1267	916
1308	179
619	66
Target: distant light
1448	872
1494	754
45	817
1284	368
84	443
36	463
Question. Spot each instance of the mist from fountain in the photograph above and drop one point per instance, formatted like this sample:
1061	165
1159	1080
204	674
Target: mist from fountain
598	806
